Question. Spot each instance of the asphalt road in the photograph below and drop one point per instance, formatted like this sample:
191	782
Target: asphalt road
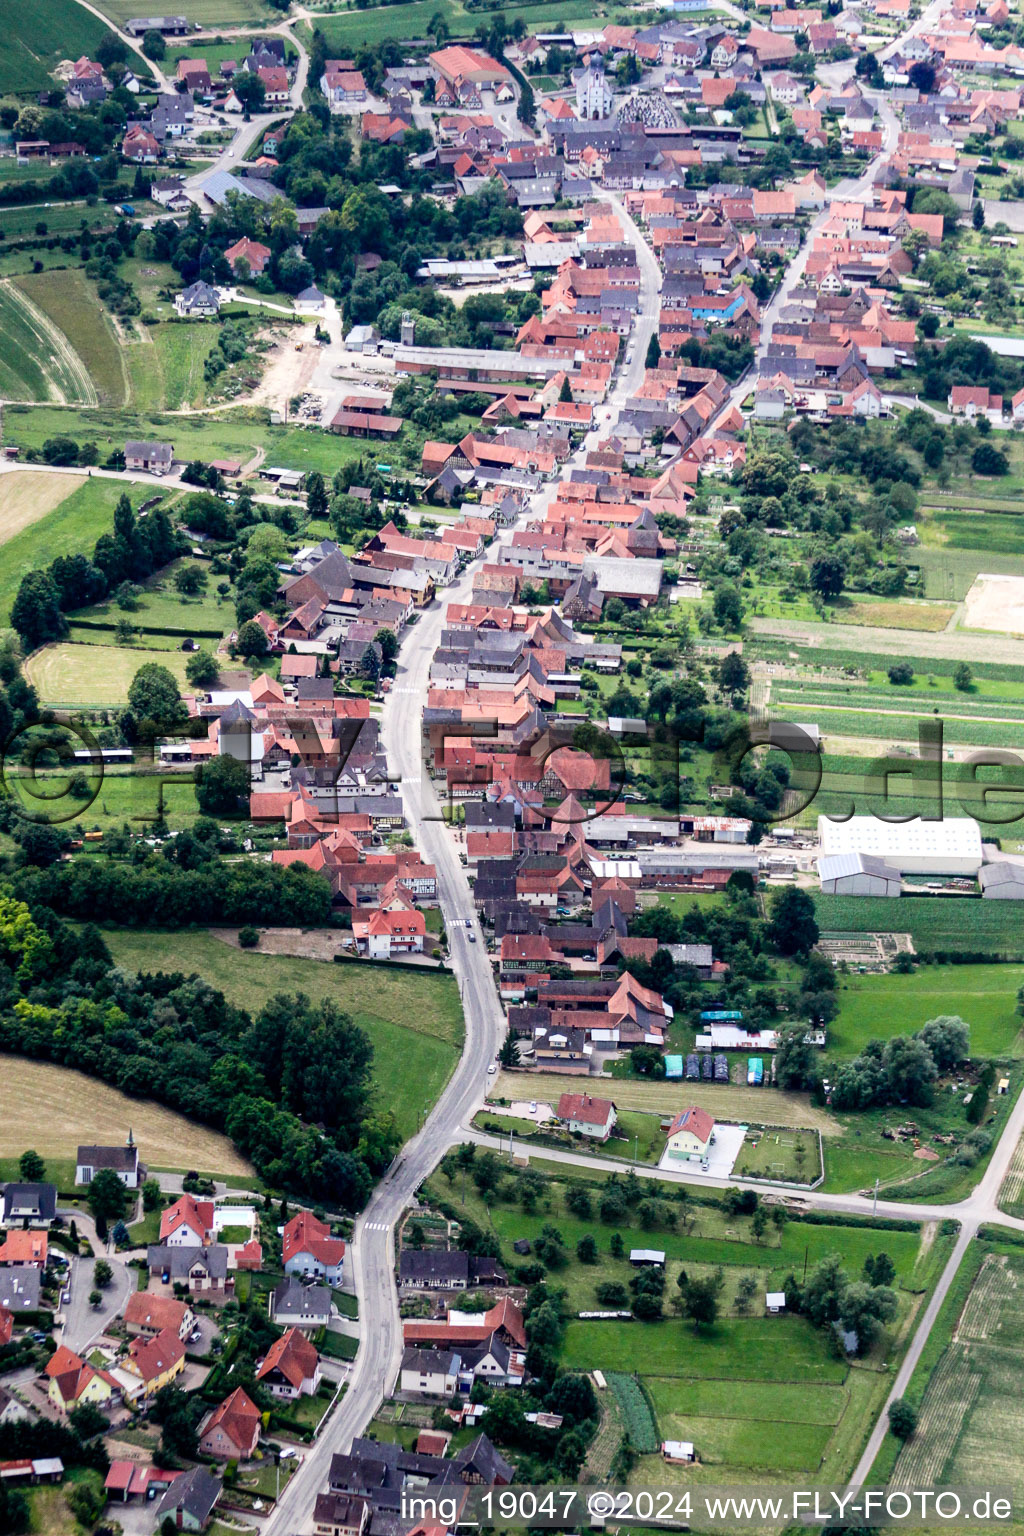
83	1324
372	1253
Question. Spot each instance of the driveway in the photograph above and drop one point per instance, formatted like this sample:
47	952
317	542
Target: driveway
722	1156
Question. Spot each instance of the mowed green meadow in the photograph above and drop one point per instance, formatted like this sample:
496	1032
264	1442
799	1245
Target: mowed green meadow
875	1007
414	1019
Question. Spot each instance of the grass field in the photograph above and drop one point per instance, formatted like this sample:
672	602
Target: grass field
72	527
875	1007
26	495
933	923
38	362
53	1110
234	434
414	1021
66	674
161	606
165	365
849	720
36	37
377	24
70	301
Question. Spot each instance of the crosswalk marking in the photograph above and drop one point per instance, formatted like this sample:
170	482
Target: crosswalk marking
376	1226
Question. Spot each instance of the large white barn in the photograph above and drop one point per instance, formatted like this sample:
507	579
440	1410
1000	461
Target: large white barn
948	847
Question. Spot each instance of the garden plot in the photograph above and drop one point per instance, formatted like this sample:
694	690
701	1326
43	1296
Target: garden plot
996	603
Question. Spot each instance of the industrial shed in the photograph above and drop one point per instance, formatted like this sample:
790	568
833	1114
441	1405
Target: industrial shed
948	847
1001	881
858	874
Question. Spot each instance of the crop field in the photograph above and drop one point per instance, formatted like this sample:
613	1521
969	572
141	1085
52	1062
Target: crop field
1011	1196
992	927
969	1426
71	527
38	362
36	37
852	721
895	615
874	663
66	674
70	301
874	1007
639	1422
414	1020
858	696
54	1109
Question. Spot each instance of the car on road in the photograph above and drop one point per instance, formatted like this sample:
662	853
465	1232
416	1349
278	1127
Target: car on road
491	1070
472	937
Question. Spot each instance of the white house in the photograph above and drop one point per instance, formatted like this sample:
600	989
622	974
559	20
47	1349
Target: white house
775	1302
384	935
430	1372
583	1115
690	1135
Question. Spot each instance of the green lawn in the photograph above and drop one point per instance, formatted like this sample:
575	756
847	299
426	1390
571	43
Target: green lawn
71	528
414	1020
734	1349
880	1006
36	37
165	365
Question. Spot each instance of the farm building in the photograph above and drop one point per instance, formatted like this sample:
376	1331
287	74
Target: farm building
775	1302
949	847
858	874
1002	881
647	1258
677	1451
690	1134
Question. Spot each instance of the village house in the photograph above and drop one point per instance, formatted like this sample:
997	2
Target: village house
690	1135
583	1115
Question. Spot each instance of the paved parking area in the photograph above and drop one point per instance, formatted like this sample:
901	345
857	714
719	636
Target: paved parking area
722	1154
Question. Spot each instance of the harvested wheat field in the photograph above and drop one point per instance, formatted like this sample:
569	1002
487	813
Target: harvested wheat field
26	495
54	1110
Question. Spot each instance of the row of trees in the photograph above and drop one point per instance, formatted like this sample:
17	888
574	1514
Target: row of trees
131	552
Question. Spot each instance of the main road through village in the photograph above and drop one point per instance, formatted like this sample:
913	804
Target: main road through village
372	1251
